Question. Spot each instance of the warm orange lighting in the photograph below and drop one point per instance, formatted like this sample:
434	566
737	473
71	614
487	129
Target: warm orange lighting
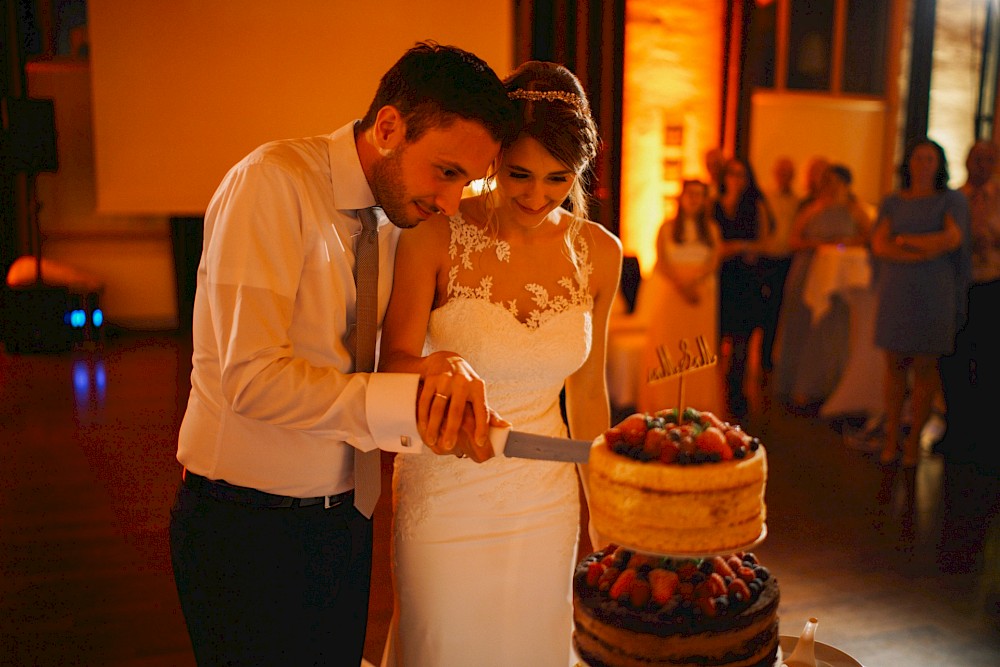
671	109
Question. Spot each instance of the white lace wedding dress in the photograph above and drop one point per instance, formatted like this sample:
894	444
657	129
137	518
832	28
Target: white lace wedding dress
483	554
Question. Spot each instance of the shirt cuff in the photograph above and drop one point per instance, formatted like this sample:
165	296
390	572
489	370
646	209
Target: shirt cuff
390	408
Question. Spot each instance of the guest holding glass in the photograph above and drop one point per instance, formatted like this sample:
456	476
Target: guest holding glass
922	245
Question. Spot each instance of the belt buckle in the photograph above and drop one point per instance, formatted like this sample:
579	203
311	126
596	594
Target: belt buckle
326	502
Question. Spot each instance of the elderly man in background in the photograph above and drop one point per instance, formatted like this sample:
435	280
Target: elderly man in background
971	376
777	259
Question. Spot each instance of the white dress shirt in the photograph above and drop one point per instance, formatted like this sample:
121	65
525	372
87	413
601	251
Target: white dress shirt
275	404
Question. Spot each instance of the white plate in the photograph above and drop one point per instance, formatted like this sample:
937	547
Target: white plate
826	655
699	554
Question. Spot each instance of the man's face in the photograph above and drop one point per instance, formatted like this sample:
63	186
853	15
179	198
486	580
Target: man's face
981	163
417	179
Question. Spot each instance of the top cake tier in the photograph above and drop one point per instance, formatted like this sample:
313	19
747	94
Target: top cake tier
691	486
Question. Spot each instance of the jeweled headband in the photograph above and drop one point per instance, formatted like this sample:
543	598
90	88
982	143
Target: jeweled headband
571	99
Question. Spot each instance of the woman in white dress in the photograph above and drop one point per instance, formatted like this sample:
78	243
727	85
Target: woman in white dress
684	288
518	288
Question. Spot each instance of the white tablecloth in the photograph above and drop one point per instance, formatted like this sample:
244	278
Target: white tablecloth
834	269
846	271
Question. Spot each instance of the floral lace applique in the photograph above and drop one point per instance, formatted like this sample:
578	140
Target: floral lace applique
471	238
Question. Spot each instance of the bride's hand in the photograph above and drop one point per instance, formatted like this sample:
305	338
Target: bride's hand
451	389
467	444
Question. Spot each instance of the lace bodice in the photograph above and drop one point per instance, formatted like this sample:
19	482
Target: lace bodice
524	357
467	239
524	362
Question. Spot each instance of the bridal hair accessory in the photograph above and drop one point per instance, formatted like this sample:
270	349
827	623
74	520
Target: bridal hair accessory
571	99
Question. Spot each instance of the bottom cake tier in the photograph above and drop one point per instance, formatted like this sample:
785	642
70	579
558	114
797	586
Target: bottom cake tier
634	610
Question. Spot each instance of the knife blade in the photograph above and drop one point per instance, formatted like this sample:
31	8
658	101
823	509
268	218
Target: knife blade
507	442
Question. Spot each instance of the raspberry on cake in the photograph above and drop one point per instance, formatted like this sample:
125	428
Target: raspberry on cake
633	610
678	484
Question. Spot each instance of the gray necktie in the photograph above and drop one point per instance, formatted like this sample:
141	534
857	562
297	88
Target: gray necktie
367	465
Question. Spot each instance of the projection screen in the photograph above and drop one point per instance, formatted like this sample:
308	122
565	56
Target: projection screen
183	89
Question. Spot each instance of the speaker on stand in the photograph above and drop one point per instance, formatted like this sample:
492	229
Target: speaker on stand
33	316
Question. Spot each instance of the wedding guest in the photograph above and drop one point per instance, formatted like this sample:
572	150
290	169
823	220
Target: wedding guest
972	374
715	164
271	557
685	291
921	242
520	284
815	353
745	225
783	202
815	170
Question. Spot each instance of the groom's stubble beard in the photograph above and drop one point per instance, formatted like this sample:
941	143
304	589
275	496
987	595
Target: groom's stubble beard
389	189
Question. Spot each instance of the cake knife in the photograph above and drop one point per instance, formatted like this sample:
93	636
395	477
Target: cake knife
519	444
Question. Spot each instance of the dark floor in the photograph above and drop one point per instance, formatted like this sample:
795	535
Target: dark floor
88	470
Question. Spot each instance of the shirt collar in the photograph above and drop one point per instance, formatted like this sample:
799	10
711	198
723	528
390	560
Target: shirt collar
350	187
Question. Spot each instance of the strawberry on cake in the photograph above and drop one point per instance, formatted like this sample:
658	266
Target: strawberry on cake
678	484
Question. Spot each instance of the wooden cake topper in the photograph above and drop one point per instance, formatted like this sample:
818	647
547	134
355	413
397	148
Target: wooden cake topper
691	360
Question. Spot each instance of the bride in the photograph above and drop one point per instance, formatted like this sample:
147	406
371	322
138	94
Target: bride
518	288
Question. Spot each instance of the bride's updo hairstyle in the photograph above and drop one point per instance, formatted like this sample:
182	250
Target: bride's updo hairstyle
551	107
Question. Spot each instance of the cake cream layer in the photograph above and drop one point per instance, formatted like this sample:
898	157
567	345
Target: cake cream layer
663	508
659	540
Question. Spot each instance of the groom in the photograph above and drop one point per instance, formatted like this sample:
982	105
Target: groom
271	558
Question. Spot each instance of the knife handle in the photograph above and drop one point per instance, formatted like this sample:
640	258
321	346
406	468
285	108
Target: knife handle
498	438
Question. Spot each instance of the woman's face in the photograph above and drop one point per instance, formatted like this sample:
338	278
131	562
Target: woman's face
735	177
923	165
692	200
531	182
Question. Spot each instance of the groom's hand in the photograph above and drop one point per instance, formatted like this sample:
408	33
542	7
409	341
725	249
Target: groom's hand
452	414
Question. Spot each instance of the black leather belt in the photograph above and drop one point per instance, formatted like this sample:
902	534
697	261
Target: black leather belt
246	496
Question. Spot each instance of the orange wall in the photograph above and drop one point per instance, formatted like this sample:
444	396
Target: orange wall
182	90
673	64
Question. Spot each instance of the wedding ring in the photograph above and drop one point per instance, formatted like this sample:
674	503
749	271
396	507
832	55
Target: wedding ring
437	395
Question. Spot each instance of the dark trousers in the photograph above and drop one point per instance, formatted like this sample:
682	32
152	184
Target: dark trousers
774	272
278	586
971	382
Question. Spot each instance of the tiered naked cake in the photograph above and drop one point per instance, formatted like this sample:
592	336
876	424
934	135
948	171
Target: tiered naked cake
682	498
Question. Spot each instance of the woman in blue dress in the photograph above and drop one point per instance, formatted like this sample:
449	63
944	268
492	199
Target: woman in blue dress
921	243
